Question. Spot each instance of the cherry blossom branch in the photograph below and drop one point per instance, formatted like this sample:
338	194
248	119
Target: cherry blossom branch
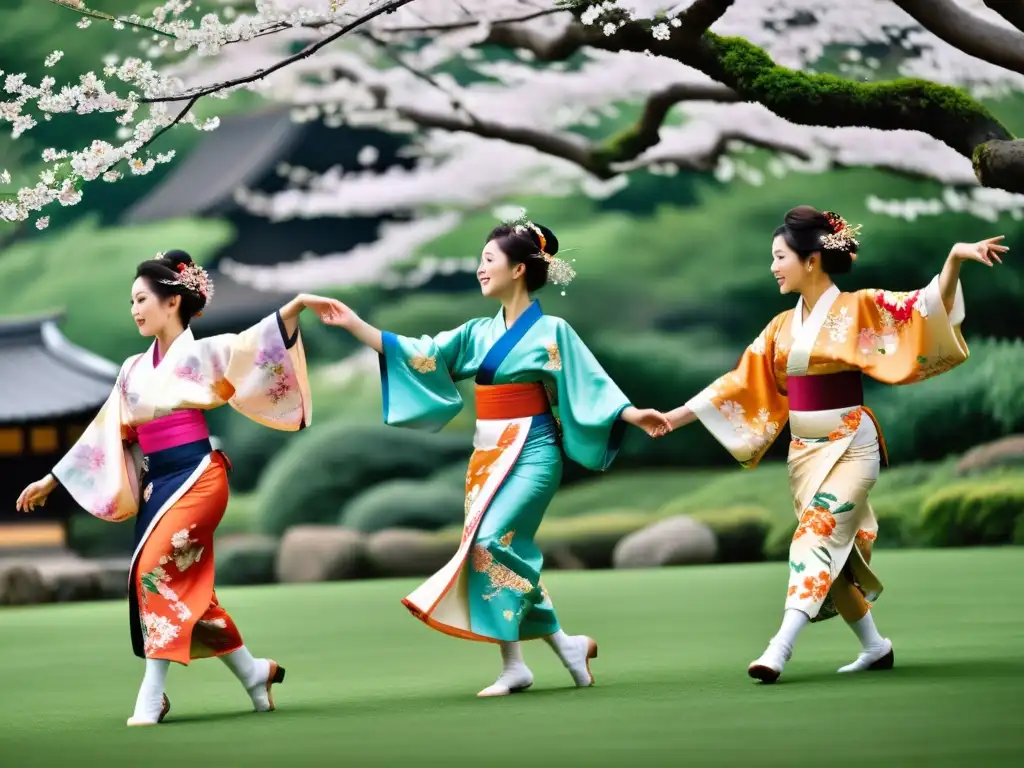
305	53
1011	10
78	6
455	101
949	21
457	25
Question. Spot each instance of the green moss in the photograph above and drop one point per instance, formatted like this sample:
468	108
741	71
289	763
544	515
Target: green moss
979	158
827	99
627	143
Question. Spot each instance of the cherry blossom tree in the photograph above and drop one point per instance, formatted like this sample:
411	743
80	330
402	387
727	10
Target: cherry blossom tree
728	86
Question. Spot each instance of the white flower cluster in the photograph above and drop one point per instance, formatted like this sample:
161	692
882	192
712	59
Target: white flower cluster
163	96
612	17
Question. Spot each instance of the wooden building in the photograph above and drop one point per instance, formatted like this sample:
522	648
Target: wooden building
50	389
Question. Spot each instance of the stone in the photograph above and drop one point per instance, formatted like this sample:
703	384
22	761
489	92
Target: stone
679	540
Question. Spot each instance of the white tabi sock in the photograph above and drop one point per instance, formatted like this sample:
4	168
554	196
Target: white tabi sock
575	651
511	655
866	632
252	672
515	675
793	621
561	643
150	701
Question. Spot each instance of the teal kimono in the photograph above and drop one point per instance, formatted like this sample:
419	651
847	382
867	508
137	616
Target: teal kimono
491	589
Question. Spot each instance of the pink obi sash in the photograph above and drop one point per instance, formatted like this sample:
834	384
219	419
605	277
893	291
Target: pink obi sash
178	428
825	392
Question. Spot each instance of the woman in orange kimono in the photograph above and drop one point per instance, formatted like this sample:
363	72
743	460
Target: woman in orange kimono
807	366
151	436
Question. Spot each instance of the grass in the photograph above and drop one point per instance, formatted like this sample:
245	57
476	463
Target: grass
368	685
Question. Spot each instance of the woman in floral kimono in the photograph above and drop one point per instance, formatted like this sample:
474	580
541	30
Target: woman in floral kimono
147	455
807	367
523	363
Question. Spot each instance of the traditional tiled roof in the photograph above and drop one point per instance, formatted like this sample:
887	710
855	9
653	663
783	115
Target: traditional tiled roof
43	375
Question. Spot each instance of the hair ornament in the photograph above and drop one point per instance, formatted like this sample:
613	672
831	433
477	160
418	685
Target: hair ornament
193	278
843	236
559	270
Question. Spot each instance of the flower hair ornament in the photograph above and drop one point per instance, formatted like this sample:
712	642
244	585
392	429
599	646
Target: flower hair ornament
194	278
559	270
843	236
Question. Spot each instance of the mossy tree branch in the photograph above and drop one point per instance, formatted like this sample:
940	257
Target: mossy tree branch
943	112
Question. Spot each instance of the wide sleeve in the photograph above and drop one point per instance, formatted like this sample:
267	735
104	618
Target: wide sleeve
101	472
588	402
744	410
261	373
906	337
417	378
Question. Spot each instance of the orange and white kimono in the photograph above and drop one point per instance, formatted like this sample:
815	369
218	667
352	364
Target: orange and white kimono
810	372
147	455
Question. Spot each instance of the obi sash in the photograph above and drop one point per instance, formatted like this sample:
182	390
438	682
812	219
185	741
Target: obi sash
826	392
832	392
511	401
178	428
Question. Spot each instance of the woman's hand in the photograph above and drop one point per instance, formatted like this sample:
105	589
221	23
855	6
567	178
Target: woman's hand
653	422
35	495
985	251
330	311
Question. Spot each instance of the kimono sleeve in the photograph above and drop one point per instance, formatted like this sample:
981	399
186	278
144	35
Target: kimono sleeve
417	378
589	403
906	337
261	373
744	410
100	472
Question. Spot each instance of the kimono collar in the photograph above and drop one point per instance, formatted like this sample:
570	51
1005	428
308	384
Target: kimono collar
821	308
527	314
184	339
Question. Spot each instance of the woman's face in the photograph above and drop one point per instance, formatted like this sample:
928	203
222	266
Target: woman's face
151	313
787	269
497	278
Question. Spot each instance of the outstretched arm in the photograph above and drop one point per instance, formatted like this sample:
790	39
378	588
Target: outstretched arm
680	417
985	251
329	310
343	317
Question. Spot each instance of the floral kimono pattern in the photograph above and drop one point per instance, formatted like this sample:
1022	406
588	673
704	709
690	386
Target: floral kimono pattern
540	393
261	373
896	338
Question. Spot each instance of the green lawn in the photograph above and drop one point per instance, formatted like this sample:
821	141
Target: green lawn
369	685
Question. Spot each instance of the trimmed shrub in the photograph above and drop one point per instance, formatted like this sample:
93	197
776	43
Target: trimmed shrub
324	468
90	537
425	505
980	400
972	514
247	559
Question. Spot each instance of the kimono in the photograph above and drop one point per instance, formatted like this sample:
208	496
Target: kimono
147	455
811	374
491	589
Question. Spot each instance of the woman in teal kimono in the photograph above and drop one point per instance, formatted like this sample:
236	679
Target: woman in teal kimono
523	362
